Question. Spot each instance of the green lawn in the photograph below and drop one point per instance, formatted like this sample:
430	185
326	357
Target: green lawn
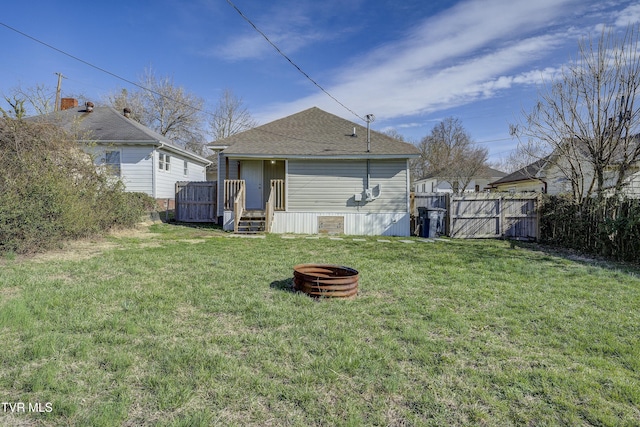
180	326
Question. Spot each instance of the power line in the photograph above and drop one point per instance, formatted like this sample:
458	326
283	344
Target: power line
291	62
72	56
493	140
133	83
106	71
157	93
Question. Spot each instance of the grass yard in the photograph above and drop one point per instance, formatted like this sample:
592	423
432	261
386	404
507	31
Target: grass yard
180	326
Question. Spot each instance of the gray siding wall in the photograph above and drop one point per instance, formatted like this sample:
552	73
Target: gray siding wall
137	169
331	185
166	180
136	166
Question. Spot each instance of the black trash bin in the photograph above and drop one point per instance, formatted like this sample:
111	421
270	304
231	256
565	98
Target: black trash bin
431	221
423	221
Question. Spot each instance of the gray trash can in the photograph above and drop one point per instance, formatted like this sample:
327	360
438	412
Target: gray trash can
435	221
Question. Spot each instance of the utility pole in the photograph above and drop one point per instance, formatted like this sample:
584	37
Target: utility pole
58	88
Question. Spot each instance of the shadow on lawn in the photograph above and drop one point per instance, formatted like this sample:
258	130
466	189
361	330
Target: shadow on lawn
283	285
578	257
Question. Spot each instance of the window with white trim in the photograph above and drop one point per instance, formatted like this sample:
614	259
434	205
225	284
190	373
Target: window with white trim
164	162
186	168
112	162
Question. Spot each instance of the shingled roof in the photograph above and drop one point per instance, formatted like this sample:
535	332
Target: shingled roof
106	125
528	172
314	133
485	172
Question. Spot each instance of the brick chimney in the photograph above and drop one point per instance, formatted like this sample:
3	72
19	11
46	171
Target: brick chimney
66	103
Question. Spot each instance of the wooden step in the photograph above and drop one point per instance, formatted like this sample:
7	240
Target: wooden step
252	222
250	214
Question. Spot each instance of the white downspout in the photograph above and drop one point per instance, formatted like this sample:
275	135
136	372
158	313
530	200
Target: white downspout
154	168
370	118
408	168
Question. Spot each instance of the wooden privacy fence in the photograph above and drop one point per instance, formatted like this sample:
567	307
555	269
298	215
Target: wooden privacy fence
196	201
486	215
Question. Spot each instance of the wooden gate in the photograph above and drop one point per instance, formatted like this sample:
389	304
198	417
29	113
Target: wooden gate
485	215
482	215
196	201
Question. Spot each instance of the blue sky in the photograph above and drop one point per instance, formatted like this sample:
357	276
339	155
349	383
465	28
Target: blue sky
410	63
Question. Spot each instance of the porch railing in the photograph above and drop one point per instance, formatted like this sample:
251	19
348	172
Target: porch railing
277	190
239	205
268	213
231	189
275	202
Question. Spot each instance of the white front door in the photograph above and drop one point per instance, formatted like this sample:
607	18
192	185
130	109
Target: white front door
251	172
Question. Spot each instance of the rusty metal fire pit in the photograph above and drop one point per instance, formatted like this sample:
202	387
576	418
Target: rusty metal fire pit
325	280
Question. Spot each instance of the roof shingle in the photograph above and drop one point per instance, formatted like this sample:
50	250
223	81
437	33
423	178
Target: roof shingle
314	133
107	125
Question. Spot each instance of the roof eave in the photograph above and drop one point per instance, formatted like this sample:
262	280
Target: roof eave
154	143
321	157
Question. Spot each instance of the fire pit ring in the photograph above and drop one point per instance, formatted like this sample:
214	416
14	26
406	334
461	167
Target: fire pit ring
325	280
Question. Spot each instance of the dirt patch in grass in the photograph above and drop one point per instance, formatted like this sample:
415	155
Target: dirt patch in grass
73	251
192	241
77	250
9	293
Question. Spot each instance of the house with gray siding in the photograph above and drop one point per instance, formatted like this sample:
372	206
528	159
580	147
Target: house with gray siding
314	172
143	159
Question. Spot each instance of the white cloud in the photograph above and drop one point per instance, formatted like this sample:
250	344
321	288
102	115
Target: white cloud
288	25
629	15
461	55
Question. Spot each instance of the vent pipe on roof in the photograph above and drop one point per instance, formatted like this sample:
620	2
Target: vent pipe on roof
127	112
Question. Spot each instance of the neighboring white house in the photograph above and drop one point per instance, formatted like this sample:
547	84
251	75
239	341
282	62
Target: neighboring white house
144	160
546	176
436	184
315	172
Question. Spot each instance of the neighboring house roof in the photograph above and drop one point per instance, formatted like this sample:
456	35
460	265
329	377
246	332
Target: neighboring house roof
487	173
105	125
529	172
314	133
491	173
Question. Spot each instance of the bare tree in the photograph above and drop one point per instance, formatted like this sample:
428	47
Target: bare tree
393	133
230	116
449	153
589	119
35	100
123	98
526	153
416	166
17	109
166	108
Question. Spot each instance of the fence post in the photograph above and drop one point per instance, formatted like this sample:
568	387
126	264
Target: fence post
448	204
536	209
501	217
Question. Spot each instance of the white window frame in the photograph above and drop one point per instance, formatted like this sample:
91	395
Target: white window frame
164	162
186	168
110	167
